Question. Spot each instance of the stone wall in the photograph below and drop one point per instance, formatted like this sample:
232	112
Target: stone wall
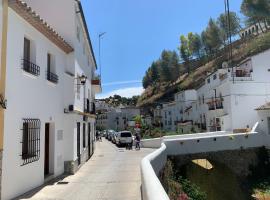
239	161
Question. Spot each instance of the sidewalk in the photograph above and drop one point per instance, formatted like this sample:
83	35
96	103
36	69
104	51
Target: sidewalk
111	174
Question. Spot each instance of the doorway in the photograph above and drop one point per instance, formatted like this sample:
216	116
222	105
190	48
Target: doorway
89	140
47	150
79	142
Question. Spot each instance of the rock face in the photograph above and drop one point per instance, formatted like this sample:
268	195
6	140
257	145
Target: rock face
239	161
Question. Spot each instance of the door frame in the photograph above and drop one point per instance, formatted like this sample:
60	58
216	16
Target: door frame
89	140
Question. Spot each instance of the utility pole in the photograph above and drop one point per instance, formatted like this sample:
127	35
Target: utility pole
99	51
229	35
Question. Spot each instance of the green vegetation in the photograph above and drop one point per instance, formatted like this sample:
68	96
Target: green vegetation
259	180
179	188
204	53
117	100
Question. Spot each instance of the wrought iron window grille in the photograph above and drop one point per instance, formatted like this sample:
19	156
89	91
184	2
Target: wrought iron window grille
52	77
30	141
30	67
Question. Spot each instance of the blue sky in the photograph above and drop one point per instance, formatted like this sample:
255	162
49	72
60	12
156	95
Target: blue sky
138	30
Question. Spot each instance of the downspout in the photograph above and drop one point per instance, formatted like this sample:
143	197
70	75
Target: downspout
3	67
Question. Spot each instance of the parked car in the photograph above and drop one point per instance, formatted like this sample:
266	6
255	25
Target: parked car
110	134
124	137
114	136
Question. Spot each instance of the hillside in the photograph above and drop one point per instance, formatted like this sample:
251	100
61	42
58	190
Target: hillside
242	49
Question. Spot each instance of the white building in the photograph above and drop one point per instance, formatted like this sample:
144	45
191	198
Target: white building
254	29
169	116
179	111
117	118
228	99
50	90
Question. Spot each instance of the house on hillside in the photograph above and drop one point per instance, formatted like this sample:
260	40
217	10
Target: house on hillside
229	97
49	120
254	29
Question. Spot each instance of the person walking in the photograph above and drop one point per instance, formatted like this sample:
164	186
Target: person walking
138	141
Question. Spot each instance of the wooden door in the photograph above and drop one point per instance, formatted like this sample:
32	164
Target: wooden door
47	149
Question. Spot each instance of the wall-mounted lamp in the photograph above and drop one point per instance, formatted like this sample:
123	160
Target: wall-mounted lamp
3	102
82	79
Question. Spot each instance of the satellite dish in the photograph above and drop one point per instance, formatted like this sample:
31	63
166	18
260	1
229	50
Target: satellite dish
225	65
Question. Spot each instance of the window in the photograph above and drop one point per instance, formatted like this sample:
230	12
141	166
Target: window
208	80
30	140
26	52
215	77
84	144
51	76
203	99
27	65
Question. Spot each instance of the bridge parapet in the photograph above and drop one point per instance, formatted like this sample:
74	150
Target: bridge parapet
190	144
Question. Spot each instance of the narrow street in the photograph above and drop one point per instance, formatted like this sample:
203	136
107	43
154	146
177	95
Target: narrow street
111	174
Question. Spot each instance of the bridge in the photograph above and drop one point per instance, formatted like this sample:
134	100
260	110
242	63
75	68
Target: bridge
191	144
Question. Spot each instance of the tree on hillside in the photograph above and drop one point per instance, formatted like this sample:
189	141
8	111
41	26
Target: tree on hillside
223	24
185	51
256	11
155	72
195	44
211	37
165	74
147	79
174	66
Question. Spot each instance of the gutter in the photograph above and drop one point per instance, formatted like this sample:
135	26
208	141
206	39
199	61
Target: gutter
86	29
3	67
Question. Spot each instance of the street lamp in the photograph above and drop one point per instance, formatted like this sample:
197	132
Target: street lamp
99	50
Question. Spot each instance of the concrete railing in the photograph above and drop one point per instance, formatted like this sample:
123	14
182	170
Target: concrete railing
152	164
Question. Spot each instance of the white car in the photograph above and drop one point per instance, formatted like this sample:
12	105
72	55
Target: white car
124	137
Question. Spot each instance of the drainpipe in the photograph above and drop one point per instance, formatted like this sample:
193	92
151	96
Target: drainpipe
3	67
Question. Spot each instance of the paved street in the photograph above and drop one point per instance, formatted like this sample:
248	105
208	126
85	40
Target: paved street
111	174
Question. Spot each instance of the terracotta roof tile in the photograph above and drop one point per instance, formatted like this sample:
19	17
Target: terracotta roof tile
26	12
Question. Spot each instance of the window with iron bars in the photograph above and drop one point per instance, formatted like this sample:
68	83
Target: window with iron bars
30	141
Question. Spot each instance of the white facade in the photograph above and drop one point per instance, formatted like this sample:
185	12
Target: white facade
35	97
117	118
225	101
254	29
228	100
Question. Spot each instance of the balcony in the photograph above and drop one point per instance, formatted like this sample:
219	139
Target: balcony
52	77
96	84
30	67
215	104
241	75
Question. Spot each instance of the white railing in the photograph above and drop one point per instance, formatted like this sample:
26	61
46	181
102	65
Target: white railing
152	164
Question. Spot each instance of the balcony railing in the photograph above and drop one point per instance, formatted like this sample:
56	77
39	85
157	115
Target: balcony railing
213	105
30	67
52	77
